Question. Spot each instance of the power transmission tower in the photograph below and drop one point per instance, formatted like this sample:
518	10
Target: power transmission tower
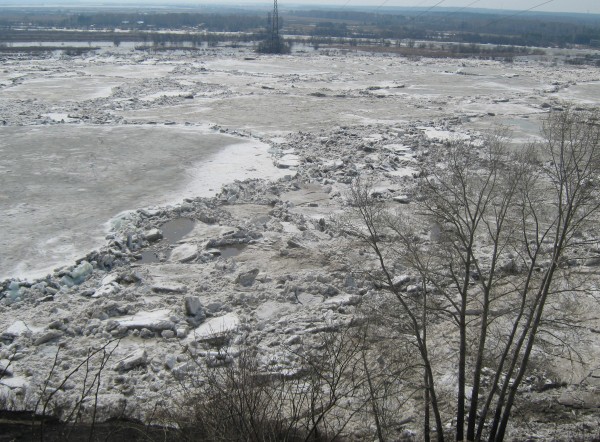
273	44
275	23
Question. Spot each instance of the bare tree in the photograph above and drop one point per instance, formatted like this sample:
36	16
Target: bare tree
570	160
373	228
503	225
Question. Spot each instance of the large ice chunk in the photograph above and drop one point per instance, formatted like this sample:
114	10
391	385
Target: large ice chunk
215	328
156	320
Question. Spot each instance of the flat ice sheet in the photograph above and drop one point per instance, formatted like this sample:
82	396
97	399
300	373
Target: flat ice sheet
60	184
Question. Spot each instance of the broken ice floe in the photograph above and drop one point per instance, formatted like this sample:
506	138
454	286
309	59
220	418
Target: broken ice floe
444	135
215	328
156	320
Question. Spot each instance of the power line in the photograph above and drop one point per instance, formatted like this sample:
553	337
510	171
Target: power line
425	12
493	22
457	11
345	4
420	4
381	5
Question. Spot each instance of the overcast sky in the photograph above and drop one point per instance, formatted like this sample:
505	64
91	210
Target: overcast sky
591	6
584	6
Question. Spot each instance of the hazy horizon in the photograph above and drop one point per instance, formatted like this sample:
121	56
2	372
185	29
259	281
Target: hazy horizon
565	6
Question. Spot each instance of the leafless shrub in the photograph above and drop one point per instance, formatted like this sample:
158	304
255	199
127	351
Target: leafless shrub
337	387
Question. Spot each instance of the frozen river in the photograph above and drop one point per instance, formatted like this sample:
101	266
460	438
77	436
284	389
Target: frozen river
84	138
59	185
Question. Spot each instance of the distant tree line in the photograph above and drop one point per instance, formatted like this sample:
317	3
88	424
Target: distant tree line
468	27
541	30
166	38
210	22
